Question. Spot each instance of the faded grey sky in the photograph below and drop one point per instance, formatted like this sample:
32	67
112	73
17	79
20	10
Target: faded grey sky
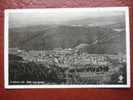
28	18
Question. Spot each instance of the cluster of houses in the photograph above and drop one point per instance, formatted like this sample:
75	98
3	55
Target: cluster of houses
66	56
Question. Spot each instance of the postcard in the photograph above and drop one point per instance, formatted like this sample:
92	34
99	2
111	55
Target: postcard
67	48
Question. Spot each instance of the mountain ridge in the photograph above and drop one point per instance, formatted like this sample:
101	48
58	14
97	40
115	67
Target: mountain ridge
66	36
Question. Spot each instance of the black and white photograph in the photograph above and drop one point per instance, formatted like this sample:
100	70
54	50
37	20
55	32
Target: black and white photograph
67	48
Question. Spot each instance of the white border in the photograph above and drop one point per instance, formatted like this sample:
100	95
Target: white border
7	11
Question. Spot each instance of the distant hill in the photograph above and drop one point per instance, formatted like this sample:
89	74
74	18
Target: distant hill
99	21
101	39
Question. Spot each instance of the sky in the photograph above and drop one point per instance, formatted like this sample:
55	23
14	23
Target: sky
23	18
